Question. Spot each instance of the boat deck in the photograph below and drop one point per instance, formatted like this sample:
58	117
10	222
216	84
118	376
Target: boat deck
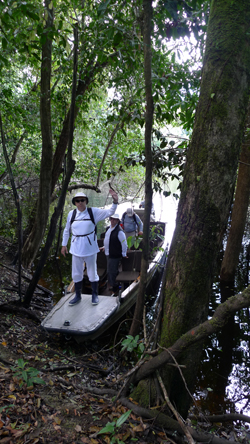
81	318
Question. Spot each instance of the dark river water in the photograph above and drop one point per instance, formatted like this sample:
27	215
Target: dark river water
223	383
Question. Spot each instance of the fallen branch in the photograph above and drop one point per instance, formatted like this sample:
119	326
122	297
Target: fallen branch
5	362
170	425
77	367
196	334
9	308
222	418
100	392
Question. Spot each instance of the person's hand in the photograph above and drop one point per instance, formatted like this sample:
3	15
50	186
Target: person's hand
114	196
64	251
140	233
102	248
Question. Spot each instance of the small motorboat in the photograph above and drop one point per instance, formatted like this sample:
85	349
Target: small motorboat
85	321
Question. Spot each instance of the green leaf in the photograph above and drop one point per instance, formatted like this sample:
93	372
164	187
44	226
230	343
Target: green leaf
141	347
123	418
102	8
21	363
32	15
37	380
163	144
109	428
24	375
4	43
6	407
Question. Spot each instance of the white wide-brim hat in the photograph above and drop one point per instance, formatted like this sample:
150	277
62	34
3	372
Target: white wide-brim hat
79	195
115	216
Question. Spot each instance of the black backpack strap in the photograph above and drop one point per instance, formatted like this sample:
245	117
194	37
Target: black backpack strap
73	217
92	218
134	216
91	214
123	216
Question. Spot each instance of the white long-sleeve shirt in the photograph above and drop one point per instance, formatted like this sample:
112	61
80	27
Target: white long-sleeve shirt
122	238
84	245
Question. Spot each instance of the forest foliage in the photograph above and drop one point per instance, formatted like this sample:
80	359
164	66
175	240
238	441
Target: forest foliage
110	61
109	123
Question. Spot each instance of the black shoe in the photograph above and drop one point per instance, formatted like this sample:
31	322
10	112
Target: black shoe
95	299
75	300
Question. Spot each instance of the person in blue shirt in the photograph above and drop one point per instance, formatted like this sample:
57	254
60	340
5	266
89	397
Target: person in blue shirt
131	223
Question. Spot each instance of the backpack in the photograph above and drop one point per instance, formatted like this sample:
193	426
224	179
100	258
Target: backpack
134	217
90	215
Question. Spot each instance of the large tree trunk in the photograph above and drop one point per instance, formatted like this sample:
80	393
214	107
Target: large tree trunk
35	237
208	183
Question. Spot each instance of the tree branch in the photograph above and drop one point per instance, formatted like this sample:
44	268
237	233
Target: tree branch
171	424
119	126
196	334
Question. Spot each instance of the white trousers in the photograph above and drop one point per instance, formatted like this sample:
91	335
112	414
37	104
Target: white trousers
78	268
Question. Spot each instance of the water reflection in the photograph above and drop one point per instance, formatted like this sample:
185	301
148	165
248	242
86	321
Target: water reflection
224	379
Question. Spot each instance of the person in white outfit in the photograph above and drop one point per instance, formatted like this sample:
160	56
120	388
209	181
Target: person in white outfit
84	247
115	247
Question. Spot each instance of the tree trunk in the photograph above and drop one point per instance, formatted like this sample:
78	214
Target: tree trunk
239	213
61	200
147	18
208	183
35	237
